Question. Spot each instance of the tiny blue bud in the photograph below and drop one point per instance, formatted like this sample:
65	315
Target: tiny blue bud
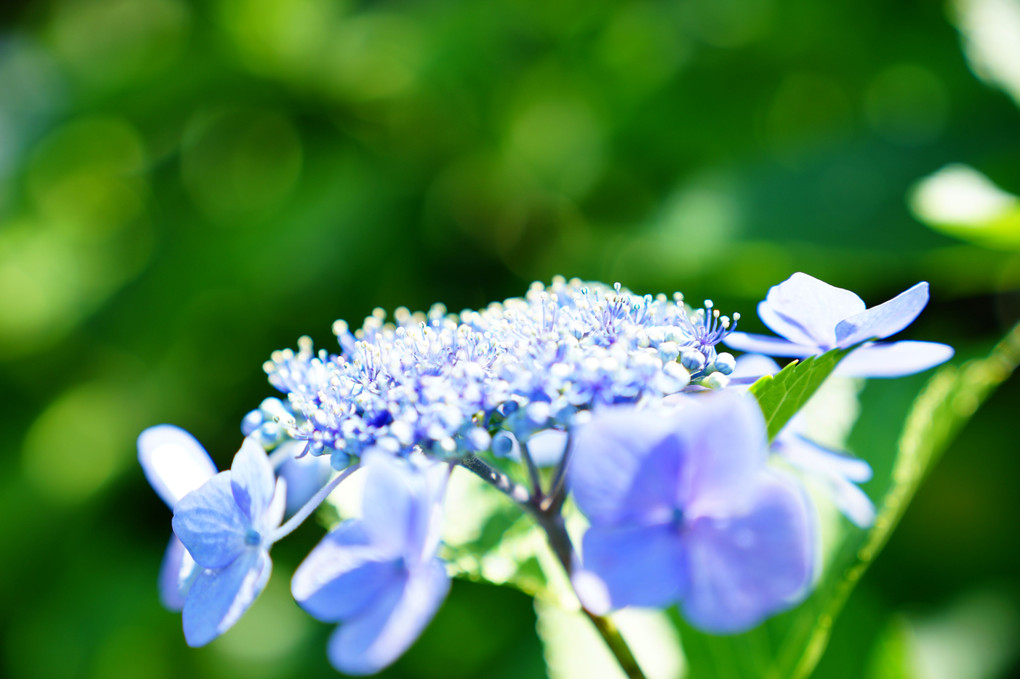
693	360
504	444
251	422
724	363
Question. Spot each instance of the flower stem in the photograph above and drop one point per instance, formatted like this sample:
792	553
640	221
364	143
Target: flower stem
550	520
559	541
496	478
310	506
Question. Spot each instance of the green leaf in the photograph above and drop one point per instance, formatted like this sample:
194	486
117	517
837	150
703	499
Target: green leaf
781	396
488	538
790	645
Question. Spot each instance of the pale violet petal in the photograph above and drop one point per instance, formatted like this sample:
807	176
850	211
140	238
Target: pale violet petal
893	359
391	489
344	574
273	516
836	472
218	598
547	446
727	446
176	574
851	501
810	456
210	524
806	310
770	346
305	475
252	480
883	320
608	453
173	461
427	525
373	641
638	565
745	568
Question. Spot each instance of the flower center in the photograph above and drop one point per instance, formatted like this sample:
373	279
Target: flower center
252	537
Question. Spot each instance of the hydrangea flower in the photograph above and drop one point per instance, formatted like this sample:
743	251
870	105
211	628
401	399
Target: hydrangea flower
378	576
442	382
684	509
174	464
227	526
837	473
305	474
813	317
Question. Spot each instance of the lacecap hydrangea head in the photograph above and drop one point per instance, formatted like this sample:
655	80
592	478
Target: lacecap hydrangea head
446	383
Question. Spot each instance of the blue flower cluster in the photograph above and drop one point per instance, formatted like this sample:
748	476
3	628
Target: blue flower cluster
444	382
650	429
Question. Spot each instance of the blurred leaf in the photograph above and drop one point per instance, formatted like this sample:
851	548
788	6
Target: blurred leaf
573	650
961	202
782	395
790	645
491	539
892	657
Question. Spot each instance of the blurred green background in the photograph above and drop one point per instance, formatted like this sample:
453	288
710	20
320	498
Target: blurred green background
187	186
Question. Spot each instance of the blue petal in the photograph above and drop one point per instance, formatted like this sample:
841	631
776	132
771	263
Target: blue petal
210	524
427	525
608	455
806	310
371	642
745	568
893	359
885	319
252	480
344	574
727	447
392	487
639	566
808	455
305	475
835	471
770	346
750	367
219	598
176	574
547	446
173	461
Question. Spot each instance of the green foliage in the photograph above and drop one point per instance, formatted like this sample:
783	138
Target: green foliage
781	396
490	539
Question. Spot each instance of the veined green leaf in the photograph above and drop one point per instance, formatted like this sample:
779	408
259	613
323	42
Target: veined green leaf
782	395
790	645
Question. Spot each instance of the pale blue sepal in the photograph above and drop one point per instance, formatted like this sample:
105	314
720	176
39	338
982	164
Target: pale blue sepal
173	462
883	320
210	524
371	642
218	599
252	480
176	574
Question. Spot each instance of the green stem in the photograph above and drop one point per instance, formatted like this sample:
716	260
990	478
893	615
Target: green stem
559	541
550	520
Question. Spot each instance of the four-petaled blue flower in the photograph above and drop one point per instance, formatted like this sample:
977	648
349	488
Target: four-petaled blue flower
227	526
174	464
815	317
378	576
683	509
